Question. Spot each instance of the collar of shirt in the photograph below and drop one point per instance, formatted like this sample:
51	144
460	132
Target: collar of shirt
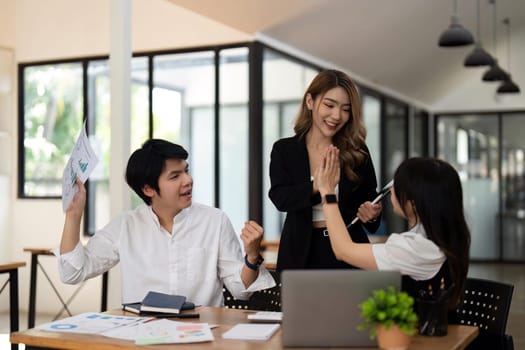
176	219
418	228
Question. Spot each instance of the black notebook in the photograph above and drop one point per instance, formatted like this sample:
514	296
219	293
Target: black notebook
136	308
159	302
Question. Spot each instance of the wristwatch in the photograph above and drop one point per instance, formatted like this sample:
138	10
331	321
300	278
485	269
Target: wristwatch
255	266
330	198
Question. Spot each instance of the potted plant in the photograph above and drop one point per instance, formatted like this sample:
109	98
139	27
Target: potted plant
390	315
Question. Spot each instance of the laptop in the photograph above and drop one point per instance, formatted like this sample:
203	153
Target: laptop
320	307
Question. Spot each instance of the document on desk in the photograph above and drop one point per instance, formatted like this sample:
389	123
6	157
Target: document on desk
91	323
266	316
81	163
170	332
252	331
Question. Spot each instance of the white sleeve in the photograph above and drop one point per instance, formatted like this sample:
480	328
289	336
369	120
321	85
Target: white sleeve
411	254
69	263
231	263
97	257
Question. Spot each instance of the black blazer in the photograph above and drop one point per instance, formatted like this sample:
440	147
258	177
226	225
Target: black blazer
291	192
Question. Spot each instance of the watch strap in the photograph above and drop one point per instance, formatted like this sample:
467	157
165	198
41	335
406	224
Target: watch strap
255	266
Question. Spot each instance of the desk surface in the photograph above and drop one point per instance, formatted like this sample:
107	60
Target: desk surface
458	336
6	266
41	251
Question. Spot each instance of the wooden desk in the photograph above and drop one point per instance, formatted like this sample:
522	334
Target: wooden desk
35	253
458	337
12	269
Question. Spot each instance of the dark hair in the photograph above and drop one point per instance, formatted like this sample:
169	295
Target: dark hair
351	138
147	163
433	188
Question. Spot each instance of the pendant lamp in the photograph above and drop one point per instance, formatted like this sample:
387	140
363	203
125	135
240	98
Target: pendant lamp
494	73
456	34
478	56
508	86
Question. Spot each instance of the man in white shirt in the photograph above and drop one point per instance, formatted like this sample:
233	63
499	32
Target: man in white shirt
168	244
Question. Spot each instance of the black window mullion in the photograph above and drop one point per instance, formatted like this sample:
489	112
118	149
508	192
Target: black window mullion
90	126
21	131
255	130
216	113
150	95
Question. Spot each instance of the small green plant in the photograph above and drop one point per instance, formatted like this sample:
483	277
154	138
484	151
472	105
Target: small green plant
388	307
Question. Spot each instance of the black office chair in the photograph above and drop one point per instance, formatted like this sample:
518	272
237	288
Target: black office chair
263	300
486	305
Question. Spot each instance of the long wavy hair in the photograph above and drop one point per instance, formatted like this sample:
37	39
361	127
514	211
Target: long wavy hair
351	138
433	188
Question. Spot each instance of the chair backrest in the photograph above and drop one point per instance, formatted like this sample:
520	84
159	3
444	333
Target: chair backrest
263	300
486	305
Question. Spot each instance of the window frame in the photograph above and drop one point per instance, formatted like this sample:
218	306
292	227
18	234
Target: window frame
257	171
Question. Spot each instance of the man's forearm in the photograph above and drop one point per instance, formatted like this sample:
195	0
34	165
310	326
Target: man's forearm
70	234
248	276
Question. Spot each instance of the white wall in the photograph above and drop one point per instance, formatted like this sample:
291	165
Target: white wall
7	43
57	29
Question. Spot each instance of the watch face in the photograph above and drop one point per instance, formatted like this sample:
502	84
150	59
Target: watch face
330	198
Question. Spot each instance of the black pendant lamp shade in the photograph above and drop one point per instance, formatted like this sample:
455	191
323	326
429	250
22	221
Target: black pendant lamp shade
495	73
455	35
508	87
478	57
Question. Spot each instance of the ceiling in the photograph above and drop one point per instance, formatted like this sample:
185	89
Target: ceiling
390	45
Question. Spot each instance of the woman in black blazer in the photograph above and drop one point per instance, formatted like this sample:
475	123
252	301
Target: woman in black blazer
330	114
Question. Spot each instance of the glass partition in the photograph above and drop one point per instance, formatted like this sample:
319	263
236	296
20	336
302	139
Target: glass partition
513	187
419	134
183	101
470	144
281	99
395	150
371	106
98	201
233	134
99	122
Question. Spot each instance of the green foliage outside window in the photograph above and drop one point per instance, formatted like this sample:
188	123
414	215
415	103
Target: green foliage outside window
52	121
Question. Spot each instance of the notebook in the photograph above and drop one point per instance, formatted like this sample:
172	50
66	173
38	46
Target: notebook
162	302
251	331
320	307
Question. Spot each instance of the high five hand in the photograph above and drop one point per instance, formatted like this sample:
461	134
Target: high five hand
328	174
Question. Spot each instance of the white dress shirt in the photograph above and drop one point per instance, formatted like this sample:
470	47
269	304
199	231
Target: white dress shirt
201	254
410	253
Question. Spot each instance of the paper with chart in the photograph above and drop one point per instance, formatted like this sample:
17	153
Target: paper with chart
81	163
91	323
170	332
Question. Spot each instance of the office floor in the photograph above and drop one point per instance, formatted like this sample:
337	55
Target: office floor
510	273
